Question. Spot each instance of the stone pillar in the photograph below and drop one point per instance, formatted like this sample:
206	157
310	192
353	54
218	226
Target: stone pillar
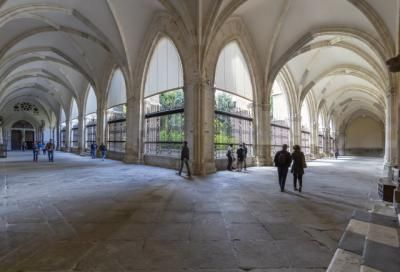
314	141
133	150
199	124
295	138
327	141
67	134
341	142
390	131
262	127
57	137
100	125
81	133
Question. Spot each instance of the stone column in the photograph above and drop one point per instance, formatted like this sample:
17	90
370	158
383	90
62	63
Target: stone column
314	141
67	135
295	130
56	139
100	125
262	128
199	124
341	142
390	134
133	150
81	133
327	141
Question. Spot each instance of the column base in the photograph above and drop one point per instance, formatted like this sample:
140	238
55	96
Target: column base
388	171
132	159
202	169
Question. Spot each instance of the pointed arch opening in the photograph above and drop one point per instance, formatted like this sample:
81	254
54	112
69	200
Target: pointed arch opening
280	116
233	102
164	101
90	118
74	136
305	128
116	113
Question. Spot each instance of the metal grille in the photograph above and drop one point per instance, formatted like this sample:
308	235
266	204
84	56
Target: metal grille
305	142
280	135
74	136
90	135
164	123
117	136
233	123
116	128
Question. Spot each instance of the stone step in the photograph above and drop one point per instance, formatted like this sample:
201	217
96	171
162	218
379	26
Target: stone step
382	245
366	233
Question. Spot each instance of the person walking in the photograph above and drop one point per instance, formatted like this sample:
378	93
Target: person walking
185	156
240	158
244	156
282	161
35	149
299	163
50	150
93	149
43	148
103	150
336	154
229	154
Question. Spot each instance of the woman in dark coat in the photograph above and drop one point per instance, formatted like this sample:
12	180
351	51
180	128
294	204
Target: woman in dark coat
299	163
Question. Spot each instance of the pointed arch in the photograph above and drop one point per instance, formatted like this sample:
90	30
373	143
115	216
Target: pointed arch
74	133
280	112
90	117
164	100
116	112
234	93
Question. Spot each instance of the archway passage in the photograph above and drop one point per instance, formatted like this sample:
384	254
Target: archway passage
22	135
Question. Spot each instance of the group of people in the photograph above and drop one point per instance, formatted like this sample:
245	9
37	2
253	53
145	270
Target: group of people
46	148
283	160
241	154
102	148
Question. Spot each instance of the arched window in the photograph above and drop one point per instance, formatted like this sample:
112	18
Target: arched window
164	101
116	113
321	136
279	110
305	128
233	122
74	136
63	127
90	118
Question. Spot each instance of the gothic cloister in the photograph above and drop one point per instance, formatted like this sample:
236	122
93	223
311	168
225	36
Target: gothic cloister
141	77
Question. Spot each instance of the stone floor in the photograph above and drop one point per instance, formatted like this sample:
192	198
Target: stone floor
79	214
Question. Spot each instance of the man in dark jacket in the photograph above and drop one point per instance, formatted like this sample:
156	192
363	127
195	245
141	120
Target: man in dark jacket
185	159
282	161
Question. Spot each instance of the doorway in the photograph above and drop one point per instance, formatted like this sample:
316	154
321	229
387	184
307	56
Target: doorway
16	139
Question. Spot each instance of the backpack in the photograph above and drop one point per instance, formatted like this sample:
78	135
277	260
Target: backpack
282	159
